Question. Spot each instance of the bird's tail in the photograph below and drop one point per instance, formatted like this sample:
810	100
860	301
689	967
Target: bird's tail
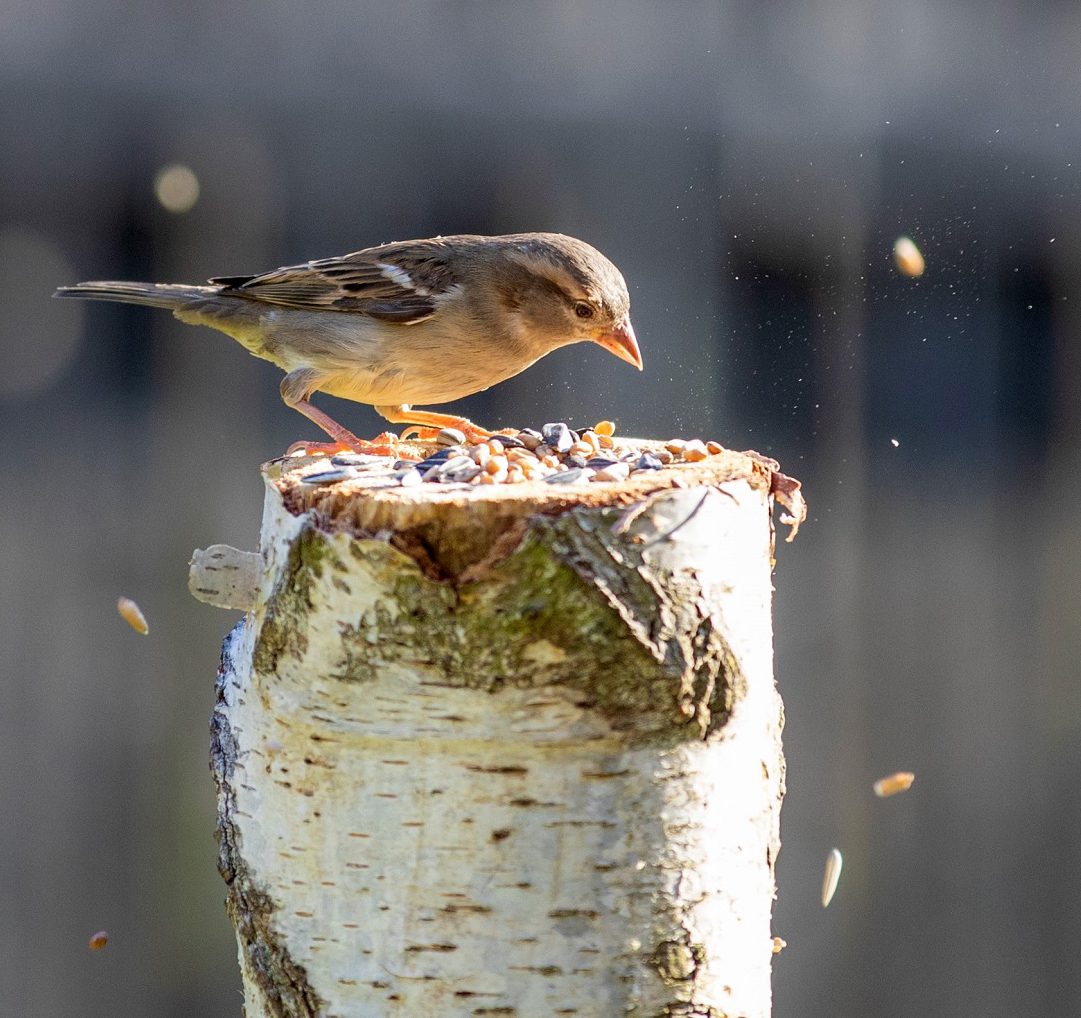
158	295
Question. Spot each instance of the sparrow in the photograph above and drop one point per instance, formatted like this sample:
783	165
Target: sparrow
411	322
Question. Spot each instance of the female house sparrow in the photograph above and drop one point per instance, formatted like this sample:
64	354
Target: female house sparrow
417	321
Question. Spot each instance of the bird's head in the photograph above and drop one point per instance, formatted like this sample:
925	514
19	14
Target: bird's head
568	292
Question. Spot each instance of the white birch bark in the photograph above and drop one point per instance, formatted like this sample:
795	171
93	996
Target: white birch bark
547	785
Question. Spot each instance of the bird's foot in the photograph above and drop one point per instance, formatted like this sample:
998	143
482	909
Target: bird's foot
473	434
385	444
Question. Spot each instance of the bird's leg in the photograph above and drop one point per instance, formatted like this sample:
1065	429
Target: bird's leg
385	444
427	424
296	387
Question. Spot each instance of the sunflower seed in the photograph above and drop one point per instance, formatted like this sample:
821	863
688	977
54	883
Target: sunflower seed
460	475
458	468
330	476
570	476
530	438
614	472
558	436
357	459
450	436
647	461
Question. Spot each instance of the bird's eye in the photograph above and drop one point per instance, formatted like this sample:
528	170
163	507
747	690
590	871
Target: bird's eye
583	309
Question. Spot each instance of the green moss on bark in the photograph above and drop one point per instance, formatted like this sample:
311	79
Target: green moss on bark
571	606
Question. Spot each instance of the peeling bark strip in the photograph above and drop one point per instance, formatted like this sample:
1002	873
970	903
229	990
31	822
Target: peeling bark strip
539	781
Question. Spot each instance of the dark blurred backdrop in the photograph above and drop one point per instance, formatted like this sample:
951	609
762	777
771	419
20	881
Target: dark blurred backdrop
749	166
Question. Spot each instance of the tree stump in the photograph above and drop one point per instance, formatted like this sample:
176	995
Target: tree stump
513	751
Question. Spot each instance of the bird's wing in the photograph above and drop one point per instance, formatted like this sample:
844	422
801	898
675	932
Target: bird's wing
399	283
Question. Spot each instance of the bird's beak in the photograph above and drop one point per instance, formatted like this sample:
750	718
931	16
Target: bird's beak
621	341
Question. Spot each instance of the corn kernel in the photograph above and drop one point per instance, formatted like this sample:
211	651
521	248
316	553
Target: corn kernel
694	451
605	429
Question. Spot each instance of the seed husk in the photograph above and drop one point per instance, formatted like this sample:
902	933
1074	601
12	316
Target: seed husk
831	876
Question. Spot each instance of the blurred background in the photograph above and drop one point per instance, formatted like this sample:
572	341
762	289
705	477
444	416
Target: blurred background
749	167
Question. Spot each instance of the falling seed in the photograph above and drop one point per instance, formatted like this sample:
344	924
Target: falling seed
899	782
908	257
177	188
894	442
130	613
99	940
779	944
833	874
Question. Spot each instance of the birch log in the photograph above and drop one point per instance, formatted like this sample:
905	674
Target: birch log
509	751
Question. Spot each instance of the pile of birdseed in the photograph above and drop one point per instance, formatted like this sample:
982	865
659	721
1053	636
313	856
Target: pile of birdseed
555	455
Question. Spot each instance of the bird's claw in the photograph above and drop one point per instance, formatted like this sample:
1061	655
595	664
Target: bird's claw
385	444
